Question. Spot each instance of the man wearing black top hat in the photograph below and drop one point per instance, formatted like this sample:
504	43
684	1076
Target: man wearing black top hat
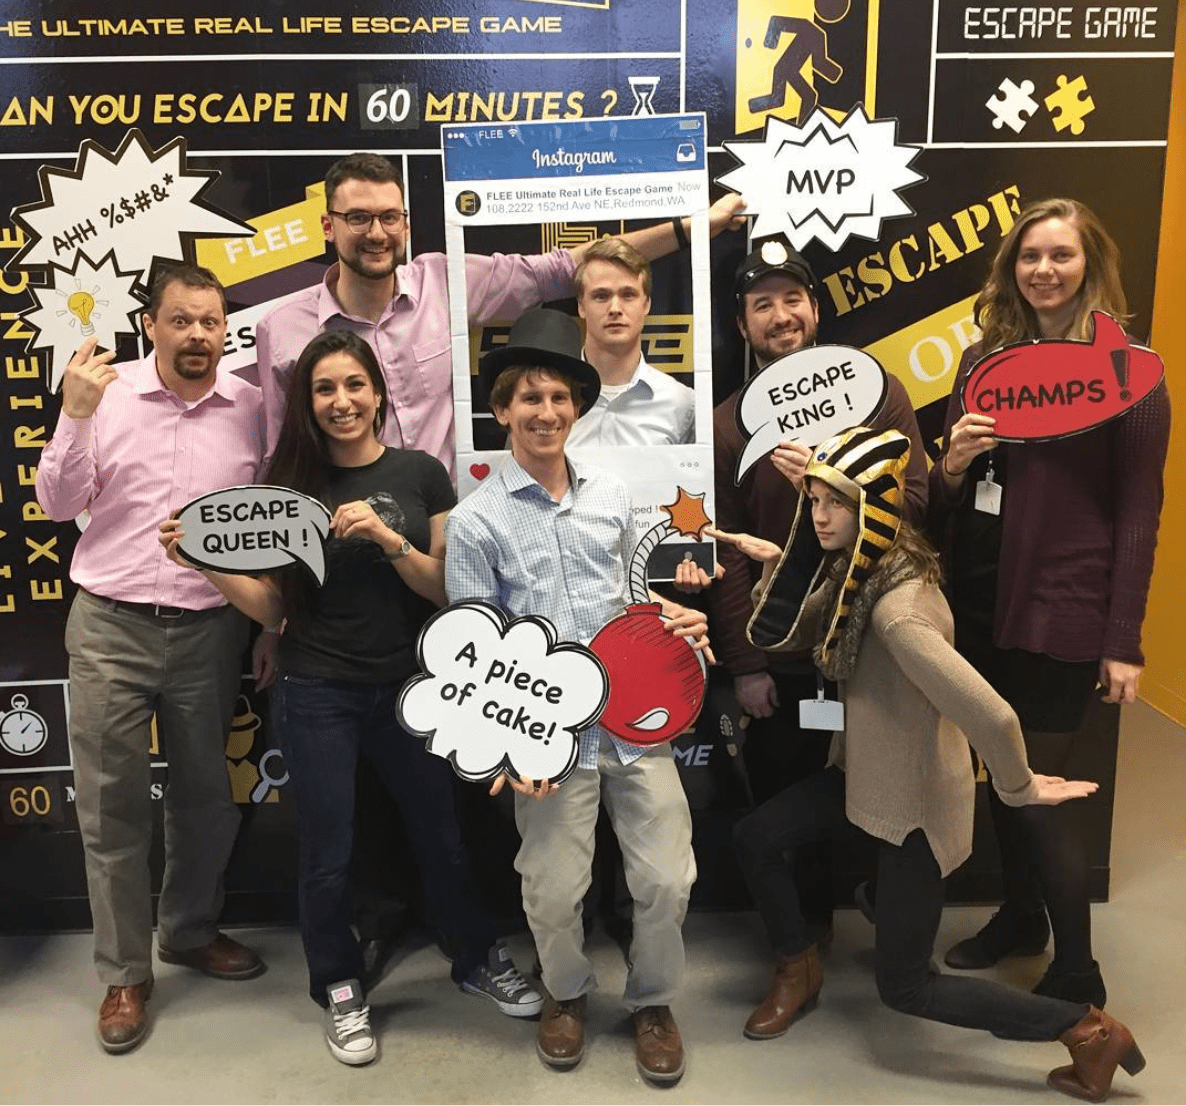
777	314
546	535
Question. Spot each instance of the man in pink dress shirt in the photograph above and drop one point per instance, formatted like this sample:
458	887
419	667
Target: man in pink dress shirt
133	442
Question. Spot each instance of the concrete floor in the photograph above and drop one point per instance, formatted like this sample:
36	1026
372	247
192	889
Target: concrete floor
261	1041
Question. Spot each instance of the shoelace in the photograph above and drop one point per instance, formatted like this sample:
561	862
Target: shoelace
352	1021
652	1022
510	981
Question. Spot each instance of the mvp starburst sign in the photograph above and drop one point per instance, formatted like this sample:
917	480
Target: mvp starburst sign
823	180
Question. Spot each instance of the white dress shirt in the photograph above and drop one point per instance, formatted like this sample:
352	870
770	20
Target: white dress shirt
654	409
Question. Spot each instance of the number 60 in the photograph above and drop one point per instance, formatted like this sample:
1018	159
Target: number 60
23	801
389	103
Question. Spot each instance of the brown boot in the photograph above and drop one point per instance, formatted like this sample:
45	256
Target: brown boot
1098	1043
222	958
561	1039
659	1051
796	986
122	1020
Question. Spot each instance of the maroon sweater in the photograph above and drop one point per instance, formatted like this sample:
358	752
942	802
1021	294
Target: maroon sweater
764	505
1078	529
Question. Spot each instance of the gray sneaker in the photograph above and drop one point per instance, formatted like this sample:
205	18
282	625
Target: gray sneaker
501	982
348	1025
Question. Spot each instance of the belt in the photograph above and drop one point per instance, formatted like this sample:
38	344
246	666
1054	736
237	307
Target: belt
155	610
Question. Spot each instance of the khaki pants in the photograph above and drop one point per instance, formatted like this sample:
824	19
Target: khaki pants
123	666
649	813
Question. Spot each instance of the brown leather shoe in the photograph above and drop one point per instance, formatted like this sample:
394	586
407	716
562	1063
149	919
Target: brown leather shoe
222	958
795	987
1098	1045
122	1021
658	1049
561	1040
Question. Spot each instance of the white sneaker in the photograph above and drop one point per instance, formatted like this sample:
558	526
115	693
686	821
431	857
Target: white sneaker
348	1024
501	982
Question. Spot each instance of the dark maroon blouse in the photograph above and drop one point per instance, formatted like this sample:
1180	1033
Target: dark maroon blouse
1078	528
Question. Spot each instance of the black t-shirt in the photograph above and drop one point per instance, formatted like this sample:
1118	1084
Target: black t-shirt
361	624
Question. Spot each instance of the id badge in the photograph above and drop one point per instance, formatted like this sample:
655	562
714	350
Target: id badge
821	714
988	494
988	497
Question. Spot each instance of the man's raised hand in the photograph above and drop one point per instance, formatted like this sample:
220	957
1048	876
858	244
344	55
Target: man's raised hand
86	379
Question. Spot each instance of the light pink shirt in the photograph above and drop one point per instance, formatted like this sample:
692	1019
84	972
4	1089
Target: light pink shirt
410	338
144	452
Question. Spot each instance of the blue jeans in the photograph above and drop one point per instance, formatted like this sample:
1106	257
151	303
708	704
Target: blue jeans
322	726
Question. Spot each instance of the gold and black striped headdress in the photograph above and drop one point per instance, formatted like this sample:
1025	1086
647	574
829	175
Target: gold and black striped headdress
868	467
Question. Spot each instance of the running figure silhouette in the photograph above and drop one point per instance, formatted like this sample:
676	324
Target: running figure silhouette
808	44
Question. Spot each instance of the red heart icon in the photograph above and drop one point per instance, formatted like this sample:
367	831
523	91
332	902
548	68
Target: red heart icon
479	472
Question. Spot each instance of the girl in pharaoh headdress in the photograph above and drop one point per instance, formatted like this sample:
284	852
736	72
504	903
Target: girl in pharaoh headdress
860	588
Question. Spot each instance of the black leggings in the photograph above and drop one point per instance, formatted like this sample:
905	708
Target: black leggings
1043	861
909	905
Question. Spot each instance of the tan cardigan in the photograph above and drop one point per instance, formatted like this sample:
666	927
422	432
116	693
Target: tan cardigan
905	705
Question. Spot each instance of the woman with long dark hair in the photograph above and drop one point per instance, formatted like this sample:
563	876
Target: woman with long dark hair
1050	552
862	593
347	648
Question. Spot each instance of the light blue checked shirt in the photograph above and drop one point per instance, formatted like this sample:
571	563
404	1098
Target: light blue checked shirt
511	544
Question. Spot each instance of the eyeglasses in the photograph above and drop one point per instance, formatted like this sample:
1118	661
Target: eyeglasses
361	221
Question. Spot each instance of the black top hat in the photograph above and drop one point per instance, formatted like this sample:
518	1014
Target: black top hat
545	339
773	257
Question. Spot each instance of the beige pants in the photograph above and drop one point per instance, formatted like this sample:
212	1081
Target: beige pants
649	812
123	666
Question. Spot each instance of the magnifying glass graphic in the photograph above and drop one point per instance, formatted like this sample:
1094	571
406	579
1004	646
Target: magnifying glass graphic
266	779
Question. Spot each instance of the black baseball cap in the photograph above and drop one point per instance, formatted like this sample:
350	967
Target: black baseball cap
773	257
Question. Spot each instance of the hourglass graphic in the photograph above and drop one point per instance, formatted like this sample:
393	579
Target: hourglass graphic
644	93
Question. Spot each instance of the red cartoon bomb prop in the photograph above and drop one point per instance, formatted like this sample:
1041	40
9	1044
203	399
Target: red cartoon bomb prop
656	679
1053	388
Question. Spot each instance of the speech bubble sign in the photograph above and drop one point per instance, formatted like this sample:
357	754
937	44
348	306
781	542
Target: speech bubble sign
499	696
88	300
1054	388
807	396
656	680
824	179
138	203
247	530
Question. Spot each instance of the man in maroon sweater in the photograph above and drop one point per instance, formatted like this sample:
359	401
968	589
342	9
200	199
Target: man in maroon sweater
778	313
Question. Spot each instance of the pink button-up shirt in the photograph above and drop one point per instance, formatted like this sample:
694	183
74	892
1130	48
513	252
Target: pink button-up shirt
410	338
142	453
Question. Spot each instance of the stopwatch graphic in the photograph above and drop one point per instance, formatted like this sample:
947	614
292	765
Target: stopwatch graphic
22	731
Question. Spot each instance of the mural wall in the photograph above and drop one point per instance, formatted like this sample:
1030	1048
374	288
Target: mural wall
133	136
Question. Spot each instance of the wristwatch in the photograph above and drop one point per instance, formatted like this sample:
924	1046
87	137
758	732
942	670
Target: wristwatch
404	549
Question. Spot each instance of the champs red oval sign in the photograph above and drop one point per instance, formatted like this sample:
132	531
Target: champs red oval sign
1051	388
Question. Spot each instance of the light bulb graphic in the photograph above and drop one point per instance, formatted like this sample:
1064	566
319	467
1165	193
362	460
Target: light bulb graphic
81	304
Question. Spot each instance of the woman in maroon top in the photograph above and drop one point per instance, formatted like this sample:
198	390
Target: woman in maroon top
1050	554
